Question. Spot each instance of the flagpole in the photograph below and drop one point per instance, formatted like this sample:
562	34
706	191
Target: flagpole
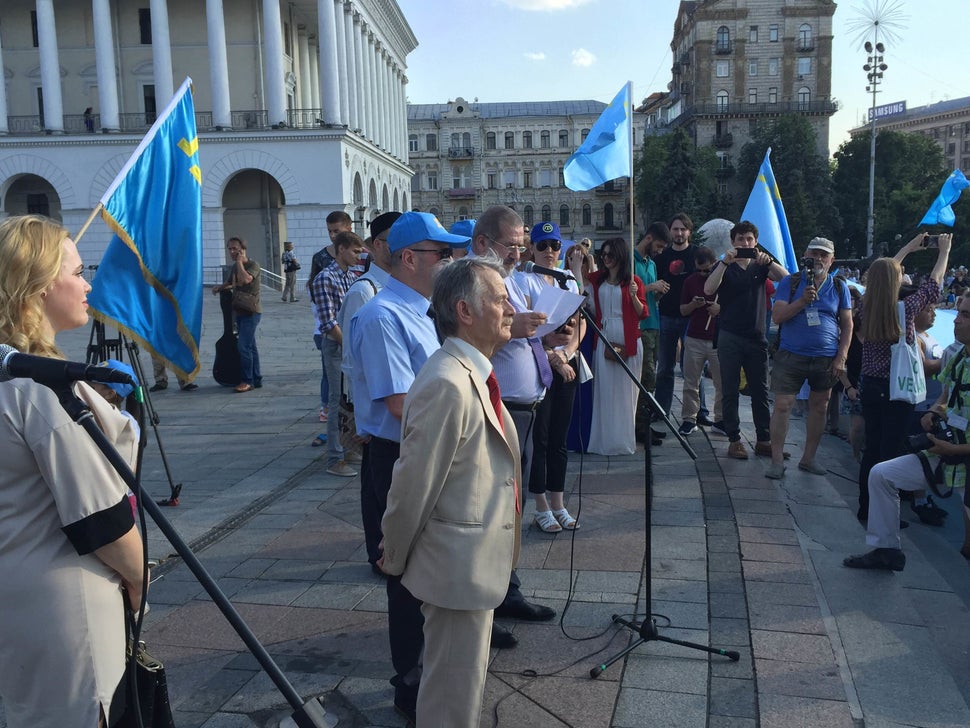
87	223
632	208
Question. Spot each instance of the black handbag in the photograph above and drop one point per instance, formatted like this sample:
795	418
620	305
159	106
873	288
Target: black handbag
147	689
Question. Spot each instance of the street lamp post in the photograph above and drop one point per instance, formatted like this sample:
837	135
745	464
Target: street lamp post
874	68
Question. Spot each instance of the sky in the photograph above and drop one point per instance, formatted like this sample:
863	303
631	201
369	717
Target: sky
544	50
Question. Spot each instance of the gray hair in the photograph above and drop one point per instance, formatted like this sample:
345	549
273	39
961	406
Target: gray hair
493	219
460	281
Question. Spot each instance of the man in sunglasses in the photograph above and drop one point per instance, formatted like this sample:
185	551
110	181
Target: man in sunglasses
391	337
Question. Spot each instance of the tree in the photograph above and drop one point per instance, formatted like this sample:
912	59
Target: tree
673	176
802	175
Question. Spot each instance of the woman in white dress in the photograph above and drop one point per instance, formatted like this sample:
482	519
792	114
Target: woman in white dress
619	305
68	543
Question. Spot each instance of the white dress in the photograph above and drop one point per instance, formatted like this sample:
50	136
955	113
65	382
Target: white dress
62	636
614	394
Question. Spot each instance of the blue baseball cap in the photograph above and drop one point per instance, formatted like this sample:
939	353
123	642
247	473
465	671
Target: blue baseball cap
415	227
545	231
123	390
463	227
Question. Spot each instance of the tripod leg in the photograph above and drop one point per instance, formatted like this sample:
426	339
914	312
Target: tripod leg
731	654
598	670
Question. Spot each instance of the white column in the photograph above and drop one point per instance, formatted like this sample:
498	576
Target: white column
273	39
342	75
403	111
4	127
50	67
306	90
385	101
373	115
104	52
353	78
369	96
161	54
359	70
218	64
329	74
401	115
314	52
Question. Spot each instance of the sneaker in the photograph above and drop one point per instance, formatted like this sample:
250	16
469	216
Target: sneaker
190	387
883	559
737	451
342	469
704	421
157	387
352	457
687	428
718	427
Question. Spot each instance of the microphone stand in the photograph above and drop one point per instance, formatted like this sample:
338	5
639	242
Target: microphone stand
306	714
647	630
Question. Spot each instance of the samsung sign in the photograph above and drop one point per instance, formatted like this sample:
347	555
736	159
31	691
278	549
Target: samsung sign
893	109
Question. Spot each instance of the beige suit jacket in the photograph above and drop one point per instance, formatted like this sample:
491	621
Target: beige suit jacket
451	527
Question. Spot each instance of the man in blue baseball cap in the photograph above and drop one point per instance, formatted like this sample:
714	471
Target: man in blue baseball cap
465	228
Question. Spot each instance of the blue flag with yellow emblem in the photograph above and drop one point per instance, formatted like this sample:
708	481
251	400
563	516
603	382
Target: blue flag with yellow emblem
607	152
149	282
765	209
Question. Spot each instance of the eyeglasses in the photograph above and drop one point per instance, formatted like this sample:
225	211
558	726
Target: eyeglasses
556	245
607	254
517	248
442	253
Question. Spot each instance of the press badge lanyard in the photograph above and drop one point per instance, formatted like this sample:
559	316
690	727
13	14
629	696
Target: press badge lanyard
811	310
955	406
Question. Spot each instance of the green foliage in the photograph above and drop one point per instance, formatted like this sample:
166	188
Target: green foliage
802	175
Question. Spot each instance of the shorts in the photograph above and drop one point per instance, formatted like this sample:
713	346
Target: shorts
789	371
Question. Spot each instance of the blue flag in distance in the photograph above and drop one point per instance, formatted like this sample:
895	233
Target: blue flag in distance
765	209
149	282
941	211
607	152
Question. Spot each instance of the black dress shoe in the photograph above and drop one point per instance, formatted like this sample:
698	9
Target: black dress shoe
704	421
190	387
502	638
525	610
157	387
883	559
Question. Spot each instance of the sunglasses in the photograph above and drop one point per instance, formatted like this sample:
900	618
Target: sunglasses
542	245
442	253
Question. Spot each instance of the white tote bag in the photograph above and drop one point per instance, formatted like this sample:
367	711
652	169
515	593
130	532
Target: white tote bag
906	380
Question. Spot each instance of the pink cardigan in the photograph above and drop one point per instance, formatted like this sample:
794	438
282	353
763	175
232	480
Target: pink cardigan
631	322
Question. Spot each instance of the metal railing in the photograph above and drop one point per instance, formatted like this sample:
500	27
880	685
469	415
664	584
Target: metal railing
818	106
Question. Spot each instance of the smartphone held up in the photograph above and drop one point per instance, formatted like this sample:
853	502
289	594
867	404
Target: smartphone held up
931	241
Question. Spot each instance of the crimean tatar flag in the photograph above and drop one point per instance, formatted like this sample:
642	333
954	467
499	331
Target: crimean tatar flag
607	152
765	209
149	282
941	211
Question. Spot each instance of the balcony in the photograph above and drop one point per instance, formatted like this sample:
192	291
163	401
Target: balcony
722	47
816	107
613	187
725	172
460	152
684	59
805	46
723	141
460	193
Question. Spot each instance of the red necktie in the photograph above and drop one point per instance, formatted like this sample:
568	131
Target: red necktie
495	396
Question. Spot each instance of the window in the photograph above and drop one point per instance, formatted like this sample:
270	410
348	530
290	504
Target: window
721	101
528	216
773	33
966	145
527	179
804	66
412	142
752	95
466	140
608	216
722	69
33	29
753	34
804	36
582	135
773	95
462	213
564	215
545	178
723	39
544	139
431	142
509	140
753	67
587	215
527	140
804	98
38	204
145	25
458	176
432	180
562	178
563	139
546	213
455	140
287	48
509	178
491	177
490	140
773	65
951	149
415	183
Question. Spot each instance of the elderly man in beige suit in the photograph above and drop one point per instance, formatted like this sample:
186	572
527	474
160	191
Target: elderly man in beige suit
451	527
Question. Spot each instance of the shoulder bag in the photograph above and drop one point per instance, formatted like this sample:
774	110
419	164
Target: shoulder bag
907	383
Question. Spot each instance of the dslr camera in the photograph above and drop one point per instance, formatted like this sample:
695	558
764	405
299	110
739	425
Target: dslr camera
808	268
940	430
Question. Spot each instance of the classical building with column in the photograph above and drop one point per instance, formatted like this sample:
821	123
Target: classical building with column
300	107
469	156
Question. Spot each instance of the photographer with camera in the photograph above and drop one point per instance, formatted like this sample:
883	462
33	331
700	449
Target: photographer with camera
813	311
944	445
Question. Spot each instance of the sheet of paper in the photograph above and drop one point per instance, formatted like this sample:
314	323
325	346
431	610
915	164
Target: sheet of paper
558	305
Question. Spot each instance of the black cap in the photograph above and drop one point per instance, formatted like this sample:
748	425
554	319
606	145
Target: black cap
382	222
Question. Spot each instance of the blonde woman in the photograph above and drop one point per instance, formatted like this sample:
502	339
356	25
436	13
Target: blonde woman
886	421
68	544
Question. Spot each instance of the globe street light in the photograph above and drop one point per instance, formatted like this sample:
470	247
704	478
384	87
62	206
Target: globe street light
874	68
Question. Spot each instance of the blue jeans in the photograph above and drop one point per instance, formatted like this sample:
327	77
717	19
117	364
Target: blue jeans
672	329
332	356
248	354
324	382
733	353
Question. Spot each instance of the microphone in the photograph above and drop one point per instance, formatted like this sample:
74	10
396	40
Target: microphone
54	372
560	275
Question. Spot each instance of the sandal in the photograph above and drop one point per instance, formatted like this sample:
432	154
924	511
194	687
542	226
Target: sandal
565	520
547	522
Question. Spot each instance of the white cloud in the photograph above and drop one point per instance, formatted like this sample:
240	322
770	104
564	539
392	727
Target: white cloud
583	58
535	56
545	5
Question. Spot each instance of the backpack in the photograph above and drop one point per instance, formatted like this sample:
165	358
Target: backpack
796	281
